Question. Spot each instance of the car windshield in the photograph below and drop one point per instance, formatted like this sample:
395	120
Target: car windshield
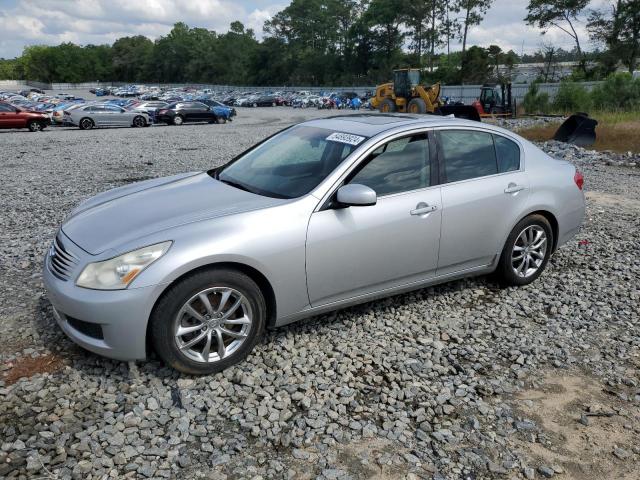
290	164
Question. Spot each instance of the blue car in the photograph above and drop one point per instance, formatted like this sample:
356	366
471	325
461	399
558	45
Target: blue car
220	109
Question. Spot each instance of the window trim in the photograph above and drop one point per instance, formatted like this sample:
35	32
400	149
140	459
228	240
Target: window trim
327	201
495	147
441	162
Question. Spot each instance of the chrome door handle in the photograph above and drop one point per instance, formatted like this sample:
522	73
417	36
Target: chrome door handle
513	188
423	208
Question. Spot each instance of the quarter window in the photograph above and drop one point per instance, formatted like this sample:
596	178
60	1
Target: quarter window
508	153
467	154
398	166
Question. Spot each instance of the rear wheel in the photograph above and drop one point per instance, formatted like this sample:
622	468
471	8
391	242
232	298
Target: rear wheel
417	105
178	120
86	124
221	120
387	106
139	121
526	252
208	321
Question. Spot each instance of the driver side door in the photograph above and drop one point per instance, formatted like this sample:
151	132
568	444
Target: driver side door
10	117
356	251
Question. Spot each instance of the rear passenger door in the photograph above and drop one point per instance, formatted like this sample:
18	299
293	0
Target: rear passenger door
484	191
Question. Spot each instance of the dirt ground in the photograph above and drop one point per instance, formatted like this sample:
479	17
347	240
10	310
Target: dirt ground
586	429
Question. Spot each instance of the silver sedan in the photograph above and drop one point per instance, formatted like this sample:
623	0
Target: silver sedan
323	215
89	116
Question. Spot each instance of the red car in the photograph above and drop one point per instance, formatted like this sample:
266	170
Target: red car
16	117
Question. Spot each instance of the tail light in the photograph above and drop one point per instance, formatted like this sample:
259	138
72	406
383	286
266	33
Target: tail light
579	179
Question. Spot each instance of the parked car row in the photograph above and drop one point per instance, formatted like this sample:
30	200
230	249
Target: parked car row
36	111
238	98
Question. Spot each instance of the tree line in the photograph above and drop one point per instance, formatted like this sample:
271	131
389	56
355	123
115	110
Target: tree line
336	42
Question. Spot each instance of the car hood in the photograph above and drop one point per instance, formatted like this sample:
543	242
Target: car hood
122	215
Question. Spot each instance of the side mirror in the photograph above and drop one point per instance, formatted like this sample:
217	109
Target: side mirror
356	195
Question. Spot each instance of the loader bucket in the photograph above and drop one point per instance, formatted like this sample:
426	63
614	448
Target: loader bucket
578	129
468	112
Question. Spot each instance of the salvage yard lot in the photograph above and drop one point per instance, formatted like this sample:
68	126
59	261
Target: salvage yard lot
463	378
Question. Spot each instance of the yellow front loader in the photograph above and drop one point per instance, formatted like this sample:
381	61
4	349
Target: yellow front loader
406	94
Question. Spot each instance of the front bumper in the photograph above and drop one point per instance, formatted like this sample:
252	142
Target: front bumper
120	315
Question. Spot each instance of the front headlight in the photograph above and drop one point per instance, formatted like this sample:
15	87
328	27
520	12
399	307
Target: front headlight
117	273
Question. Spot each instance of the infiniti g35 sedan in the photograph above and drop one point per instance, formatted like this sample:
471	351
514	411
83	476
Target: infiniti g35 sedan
322	215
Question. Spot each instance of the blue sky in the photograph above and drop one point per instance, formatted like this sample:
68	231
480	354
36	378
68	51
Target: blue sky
27	22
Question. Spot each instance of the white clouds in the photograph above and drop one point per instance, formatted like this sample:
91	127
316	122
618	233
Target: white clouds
504	26
103	21
257	18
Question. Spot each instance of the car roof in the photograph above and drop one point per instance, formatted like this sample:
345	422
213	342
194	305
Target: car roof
371	124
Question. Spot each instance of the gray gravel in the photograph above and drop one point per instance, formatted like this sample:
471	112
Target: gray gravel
415	386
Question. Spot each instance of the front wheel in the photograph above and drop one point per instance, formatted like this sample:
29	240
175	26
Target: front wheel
178	120
208	321
387	106
526	252
35	126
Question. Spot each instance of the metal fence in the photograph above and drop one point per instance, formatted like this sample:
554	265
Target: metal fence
468	93
462	93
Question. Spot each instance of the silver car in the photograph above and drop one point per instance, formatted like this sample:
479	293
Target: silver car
325	214
89	116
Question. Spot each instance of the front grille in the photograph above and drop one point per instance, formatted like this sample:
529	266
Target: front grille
93	330
61	261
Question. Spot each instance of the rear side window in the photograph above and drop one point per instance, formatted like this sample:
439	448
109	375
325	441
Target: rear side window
6	108
467	154
508	153
398	166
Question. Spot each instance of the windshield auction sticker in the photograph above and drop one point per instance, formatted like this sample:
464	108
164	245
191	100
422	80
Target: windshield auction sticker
345	138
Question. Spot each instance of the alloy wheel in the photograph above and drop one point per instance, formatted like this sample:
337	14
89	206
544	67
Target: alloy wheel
139	122
529	251
212	324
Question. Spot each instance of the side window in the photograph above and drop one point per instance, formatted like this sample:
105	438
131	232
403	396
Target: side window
508	153
398	166
6	108
467	154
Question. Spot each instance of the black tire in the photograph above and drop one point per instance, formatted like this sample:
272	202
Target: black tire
178	120
139	121
220	120
505	272
417	105
255	105
86	124
166	310
35	126
387	106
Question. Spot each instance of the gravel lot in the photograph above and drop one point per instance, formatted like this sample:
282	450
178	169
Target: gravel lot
464	380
